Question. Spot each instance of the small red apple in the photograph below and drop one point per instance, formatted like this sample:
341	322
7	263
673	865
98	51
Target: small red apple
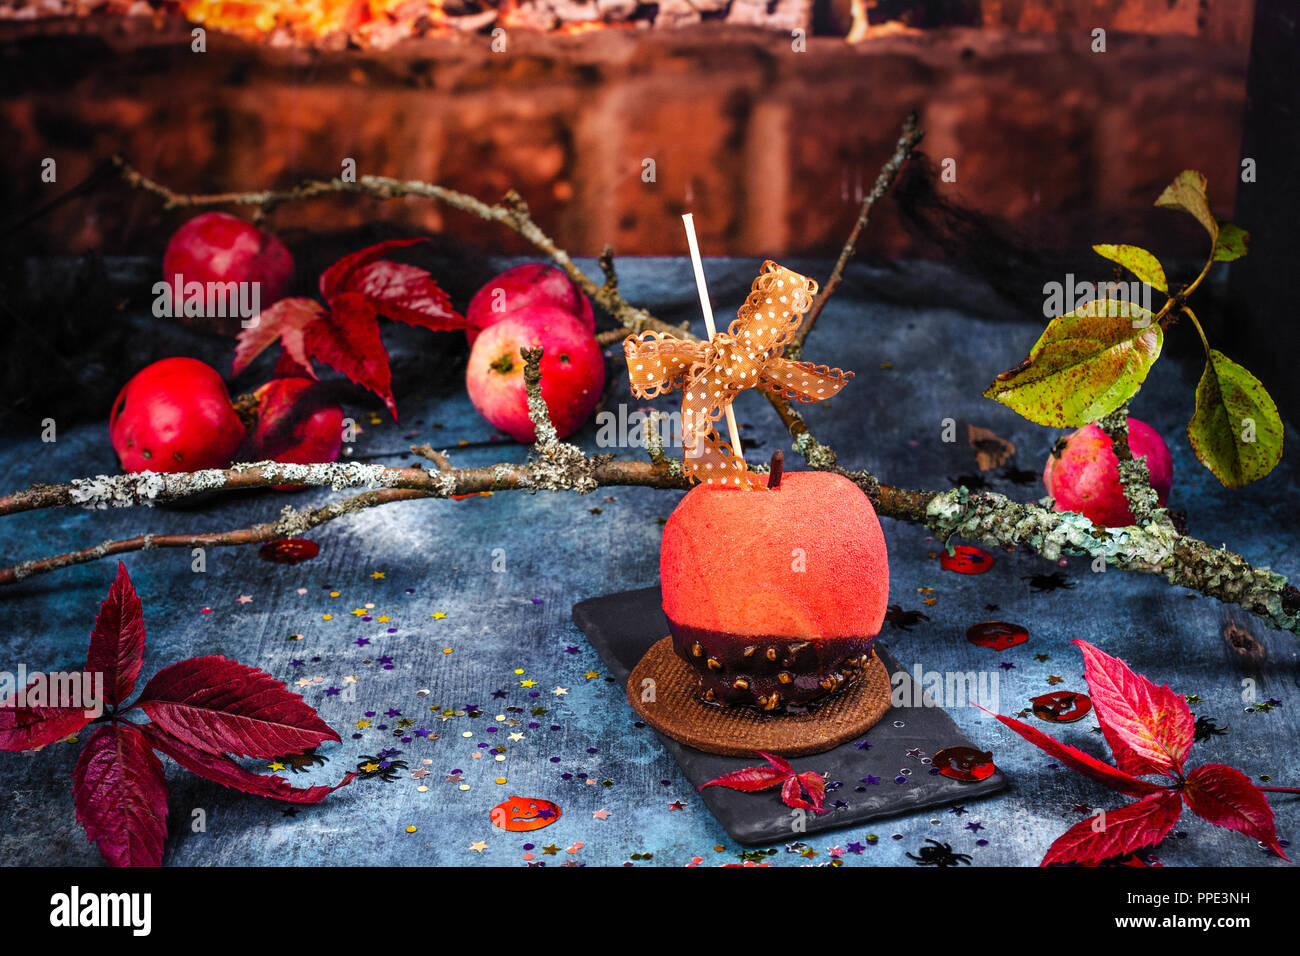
217	247
1082	472
573	371
775	597
175	415
535	283
295	424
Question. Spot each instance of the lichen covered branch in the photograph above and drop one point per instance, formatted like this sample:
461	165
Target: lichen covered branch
1134	476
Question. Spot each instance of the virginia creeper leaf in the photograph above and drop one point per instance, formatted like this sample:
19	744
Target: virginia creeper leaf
1232	243
221	706
1137	261
1150	729
1236	431
1187	192
780	763
30	727
1226	797
749	780
1082	762
1085	365
121	796
349	342
221	769
286	321
340	276
117	642
1113	833
407	294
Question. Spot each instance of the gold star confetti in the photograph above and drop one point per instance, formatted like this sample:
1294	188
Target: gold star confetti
438	615
275	765
370	767
591	675
327	617
528	683
377	575
362	724
358	612
382	620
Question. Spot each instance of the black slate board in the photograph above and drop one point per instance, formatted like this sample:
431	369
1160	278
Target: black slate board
622	627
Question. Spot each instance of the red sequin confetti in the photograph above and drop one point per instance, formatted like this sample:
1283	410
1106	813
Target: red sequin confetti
525	813
964	763
966	559
1061	706
289	550
998	635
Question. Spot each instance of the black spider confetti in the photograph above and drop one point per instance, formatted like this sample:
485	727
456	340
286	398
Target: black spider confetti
1019	476
938	854
383	768
973	482
903	620
1207	727
1039	583
301	763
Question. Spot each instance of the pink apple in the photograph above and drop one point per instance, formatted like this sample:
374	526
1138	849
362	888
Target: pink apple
573	371
219	248
1082	473
535	283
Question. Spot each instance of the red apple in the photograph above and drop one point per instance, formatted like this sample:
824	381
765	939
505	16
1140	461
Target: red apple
217	247
775	597
573	371
535	283
1082	472
175	415
295	424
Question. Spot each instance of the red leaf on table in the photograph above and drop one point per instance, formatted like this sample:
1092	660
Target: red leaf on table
407	294
117	642
349	342
1149	728
30	727
780	763
792	792
287	321
1226	797
341	277
1115	833
121	796
286	366
221	706
221	769
1080	761
750	780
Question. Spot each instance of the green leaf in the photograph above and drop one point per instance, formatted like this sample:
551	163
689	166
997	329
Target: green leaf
1137	261
1085	365
1236	431
1187	192
1233	242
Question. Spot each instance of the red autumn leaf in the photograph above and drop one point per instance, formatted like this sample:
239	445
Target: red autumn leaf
121	796
30	727
792	791
341	276
287	367
401	292
220	706
1080	761
1115	833
219	768
1149	728
750	780
349	342
1226	797
117	642
287	321
780	763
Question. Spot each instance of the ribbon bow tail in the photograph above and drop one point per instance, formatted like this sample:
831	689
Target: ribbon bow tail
803	381
658	363
706	456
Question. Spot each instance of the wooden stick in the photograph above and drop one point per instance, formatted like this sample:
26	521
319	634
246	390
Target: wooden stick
698	264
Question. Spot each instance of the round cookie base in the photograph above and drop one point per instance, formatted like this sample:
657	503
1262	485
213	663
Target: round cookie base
677	712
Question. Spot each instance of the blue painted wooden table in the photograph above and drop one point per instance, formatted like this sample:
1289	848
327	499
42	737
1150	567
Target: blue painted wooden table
476	674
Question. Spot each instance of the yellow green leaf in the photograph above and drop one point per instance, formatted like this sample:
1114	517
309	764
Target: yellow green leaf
1233	242
1137	261
1236	431
1187	192
1085	365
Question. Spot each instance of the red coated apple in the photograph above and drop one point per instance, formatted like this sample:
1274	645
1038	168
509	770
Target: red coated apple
573	371
175	415
219	248
1082	472
775	597
535	283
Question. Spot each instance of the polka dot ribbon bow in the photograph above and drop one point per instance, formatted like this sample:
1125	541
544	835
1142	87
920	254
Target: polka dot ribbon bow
712	374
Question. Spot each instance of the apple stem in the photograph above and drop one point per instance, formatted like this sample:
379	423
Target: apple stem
777	470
